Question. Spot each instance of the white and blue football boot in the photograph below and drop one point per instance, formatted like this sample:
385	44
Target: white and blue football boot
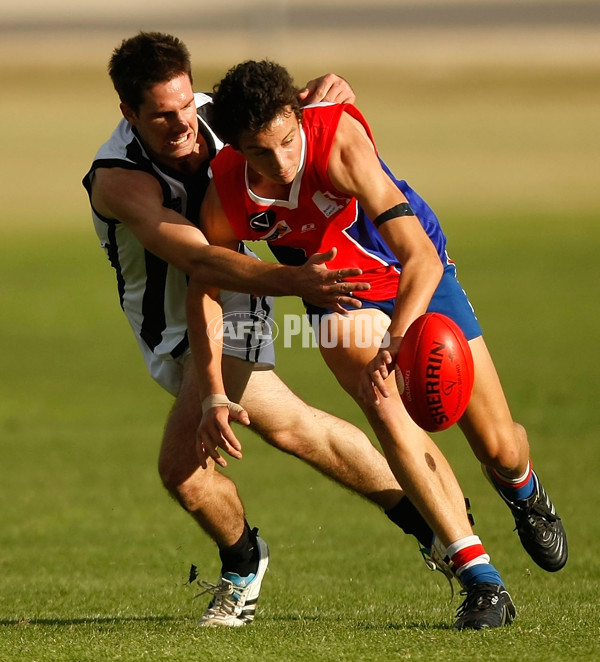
234	597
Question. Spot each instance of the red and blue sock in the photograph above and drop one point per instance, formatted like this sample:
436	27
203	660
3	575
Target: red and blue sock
515	489
472	563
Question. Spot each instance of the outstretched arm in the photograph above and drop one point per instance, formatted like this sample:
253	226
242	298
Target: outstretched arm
174	239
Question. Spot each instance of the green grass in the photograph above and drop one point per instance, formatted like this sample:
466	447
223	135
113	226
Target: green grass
94	556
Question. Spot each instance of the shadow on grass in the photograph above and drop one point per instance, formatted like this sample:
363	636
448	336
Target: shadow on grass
103	620
366	626
369	627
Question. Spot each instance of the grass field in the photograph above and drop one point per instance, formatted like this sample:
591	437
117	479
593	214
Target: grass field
93	555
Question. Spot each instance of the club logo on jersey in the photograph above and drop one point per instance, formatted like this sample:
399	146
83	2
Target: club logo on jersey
328	204
267	220
263	220
280	230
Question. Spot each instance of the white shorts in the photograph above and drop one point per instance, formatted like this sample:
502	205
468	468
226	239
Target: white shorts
247	325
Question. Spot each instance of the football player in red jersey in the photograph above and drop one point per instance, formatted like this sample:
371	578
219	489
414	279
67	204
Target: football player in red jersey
311	180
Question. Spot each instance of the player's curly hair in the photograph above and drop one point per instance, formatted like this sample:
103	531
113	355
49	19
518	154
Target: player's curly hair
142	61
250	96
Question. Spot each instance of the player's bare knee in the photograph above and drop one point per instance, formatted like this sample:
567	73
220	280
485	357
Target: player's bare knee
188	495
288	434
178	459
170	474
179	470
507	449
190	490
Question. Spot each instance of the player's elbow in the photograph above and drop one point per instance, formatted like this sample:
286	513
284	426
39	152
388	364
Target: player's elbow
201	266
199	285
426	262
431	263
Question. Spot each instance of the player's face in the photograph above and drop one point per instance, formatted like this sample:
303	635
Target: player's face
167	121
276	152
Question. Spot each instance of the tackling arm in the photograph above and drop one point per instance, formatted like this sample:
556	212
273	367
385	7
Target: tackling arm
170	236
174	239
311	281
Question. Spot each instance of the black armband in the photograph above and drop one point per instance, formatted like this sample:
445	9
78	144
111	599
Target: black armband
403	209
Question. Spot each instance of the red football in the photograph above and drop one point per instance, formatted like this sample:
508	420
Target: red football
436	372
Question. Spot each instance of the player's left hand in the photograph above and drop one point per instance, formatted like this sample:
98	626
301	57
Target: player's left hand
331	87
373	378
215	432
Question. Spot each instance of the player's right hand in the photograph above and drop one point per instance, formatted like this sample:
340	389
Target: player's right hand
374	378
215	432
328	288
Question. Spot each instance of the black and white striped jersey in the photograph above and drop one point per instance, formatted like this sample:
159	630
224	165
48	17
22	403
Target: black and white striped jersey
152	292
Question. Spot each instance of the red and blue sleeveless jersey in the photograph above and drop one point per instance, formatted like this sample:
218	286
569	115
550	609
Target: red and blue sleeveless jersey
316	216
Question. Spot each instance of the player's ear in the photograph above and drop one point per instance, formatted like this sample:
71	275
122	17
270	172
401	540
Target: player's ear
128	113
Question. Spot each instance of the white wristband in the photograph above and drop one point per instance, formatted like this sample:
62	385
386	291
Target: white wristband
215	400
218	400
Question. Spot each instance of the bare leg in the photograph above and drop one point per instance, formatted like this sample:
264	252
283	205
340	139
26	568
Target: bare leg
209	496
496	440
331	445
334	447
417	463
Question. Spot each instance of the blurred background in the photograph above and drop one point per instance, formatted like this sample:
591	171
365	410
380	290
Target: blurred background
337	31
477	97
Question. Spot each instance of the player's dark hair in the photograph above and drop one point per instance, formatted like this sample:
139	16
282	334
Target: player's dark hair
250	97
142	61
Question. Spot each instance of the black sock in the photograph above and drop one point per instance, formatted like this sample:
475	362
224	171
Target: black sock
242	556
409	519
